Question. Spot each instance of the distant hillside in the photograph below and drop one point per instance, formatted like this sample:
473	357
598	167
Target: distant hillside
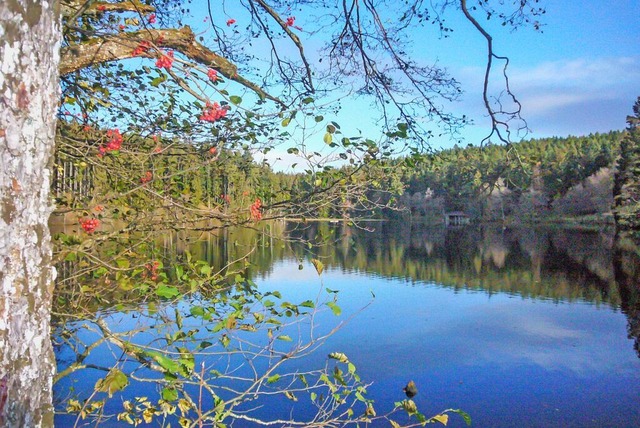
549	177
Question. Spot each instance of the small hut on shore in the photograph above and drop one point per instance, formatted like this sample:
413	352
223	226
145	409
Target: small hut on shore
455	218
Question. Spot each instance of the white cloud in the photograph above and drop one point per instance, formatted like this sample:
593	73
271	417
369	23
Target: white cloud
577	96
603	72
550	86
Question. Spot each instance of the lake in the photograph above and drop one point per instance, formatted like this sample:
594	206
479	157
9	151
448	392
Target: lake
525	327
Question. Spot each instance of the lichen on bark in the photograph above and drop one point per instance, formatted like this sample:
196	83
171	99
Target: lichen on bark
29	48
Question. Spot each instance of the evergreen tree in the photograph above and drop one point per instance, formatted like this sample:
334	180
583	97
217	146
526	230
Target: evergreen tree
626	190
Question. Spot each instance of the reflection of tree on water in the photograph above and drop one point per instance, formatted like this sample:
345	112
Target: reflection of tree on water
557	264
626	266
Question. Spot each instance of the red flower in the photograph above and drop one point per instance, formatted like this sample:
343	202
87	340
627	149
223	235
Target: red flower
148	176
102	8
291	23
230	22
165	60
212	75
157	149
213	150
256	210
152	269
121	27
99	208
152	18
143	47
213	112
89	224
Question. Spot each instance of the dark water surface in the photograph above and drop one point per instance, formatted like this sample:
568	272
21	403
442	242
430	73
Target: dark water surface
518	328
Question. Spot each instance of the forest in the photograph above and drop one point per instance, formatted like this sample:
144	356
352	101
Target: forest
548	179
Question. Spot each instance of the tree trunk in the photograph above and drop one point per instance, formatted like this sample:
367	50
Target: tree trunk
29	51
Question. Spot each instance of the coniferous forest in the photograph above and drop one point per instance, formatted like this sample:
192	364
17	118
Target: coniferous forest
538	179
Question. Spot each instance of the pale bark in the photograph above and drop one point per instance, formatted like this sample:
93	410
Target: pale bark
29	51
98	50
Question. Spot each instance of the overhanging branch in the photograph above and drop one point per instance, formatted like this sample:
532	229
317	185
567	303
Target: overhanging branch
99	50
75	8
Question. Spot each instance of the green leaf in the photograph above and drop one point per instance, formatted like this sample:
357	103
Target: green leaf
285	122
303	379
219	326
113	382
273	379
169	394
167	292
197	311
308	304
165	362
235	99
204	344
464	415
328	138
178	318
307	100
158	80
205	270
335	308
285	338
123	263
179	272
319	118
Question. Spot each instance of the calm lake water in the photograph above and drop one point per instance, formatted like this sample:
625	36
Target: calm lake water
517	327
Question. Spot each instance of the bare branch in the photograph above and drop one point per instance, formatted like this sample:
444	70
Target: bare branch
294	38
496	122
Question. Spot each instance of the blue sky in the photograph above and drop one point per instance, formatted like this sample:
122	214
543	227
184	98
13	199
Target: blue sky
580	75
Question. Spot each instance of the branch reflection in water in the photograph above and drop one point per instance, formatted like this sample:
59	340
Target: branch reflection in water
518	327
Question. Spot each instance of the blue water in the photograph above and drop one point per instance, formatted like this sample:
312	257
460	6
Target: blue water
505	359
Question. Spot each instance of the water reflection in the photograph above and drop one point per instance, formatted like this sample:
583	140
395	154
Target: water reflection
540	263
510	316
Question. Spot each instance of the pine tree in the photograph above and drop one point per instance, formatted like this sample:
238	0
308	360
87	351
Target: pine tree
626	189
